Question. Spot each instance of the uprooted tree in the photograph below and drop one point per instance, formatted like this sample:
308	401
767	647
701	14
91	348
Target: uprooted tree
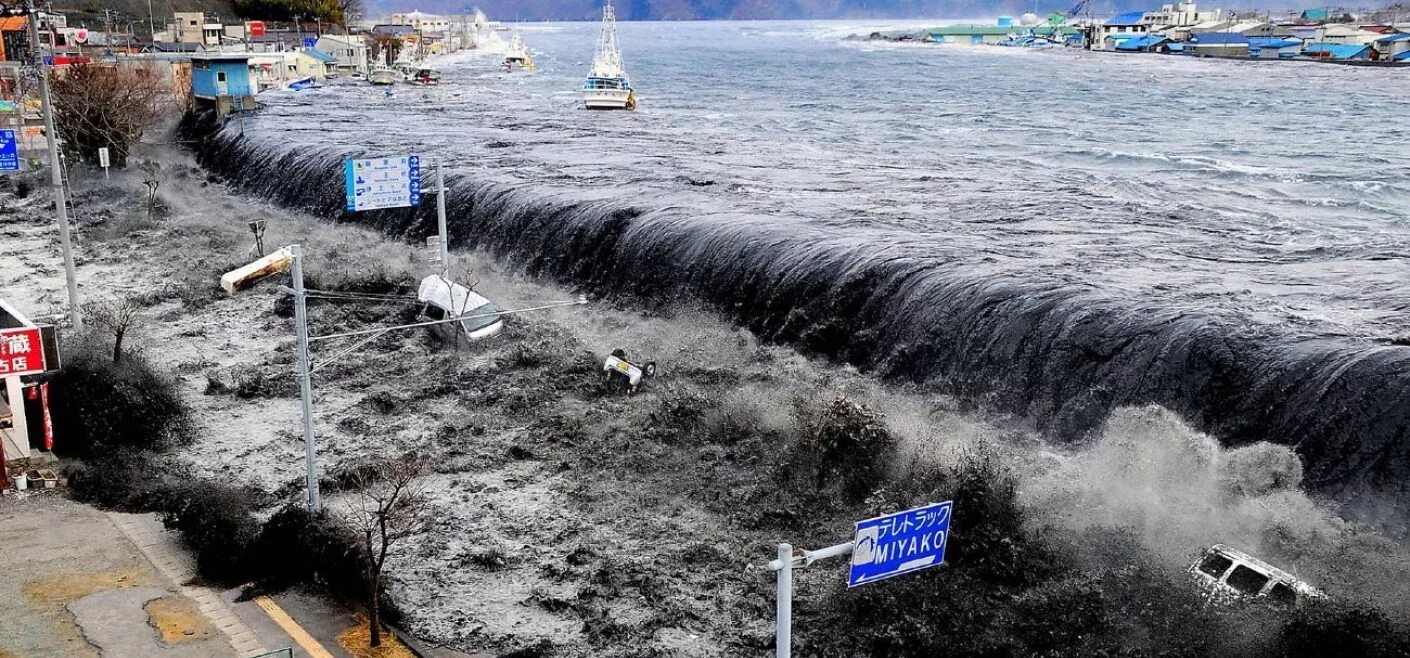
387	507
107	106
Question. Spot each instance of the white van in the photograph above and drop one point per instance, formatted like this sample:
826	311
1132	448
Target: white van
1229	574
444	299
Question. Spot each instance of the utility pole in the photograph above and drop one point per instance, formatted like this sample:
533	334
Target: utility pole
442	247
305	372
151	21
56	174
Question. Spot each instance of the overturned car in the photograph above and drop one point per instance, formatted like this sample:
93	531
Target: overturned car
1228	575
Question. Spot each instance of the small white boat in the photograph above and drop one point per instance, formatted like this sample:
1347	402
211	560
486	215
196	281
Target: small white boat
384	76
607	86
517	55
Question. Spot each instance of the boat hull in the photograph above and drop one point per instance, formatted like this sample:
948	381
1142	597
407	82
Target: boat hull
606	99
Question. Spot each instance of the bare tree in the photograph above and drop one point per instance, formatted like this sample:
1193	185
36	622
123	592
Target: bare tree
117	317
108	106
152	178
387	508
347	12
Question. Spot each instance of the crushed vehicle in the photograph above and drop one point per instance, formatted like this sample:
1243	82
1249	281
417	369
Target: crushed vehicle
445	299
624	374
1228	574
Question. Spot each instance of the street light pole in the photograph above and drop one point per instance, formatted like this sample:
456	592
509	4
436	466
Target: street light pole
442	246
56	173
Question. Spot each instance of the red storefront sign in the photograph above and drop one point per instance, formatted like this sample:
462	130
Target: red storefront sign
21	351
256	28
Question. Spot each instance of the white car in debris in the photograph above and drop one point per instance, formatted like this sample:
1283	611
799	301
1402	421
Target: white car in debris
1230	574
628	375
445	299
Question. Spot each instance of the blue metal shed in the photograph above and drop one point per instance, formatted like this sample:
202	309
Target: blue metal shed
1338	51
216	75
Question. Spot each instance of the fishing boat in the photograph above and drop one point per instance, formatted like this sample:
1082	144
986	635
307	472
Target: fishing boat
384	76
517	55
607	86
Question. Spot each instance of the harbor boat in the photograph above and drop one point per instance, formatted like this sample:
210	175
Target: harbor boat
383	76
425	77
517	55
607	86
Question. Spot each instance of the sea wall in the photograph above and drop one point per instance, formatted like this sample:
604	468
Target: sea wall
1061	356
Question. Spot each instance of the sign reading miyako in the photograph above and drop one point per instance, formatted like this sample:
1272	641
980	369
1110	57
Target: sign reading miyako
21	351
900	543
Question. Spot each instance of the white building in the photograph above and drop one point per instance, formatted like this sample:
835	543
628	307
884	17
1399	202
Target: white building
350	52
1184	14
422	21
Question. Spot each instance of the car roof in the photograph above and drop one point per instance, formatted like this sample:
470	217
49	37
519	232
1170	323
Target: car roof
449	295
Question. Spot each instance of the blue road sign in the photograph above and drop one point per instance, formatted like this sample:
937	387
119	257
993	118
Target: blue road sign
9	151
900	543
382	182
310	42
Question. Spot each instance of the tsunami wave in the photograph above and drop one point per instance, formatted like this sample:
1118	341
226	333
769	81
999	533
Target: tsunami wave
1058	355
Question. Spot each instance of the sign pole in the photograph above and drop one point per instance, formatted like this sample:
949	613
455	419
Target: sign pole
57	176
783	627
305	372
443	247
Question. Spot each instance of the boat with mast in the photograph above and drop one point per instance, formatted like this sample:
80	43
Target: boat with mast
607	86
517	55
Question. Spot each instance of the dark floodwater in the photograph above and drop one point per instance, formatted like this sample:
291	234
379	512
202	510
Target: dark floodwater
1278	191
1047	234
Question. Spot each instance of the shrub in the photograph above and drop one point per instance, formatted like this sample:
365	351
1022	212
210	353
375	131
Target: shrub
100	406
842	444
127	481
295	547
1339	628
217	522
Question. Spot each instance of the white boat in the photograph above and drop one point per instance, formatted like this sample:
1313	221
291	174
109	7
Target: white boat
607	86
517	55
384	76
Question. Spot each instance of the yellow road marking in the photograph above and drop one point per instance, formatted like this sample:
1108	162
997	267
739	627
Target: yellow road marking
301	636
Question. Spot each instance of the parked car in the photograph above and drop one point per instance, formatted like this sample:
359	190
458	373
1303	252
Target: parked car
1229	574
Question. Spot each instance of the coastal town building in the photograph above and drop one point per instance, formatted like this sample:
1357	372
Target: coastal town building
349	51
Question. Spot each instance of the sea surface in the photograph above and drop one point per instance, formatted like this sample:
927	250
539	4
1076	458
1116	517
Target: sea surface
1045	234
1279	191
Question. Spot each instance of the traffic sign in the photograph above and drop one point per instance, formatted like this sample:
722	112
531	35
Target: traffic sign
9	151
393	182
900	543
310	42
21	351
103	159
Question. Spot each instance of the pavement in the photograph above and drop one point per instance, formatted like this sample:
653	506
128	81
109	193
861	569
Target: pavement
85	583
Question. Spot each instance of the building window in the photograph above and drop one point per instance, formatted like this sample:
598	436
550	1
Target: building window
220	76
193	23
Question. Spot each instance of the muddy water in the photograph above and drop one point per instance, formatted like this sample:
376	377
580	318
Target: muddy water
1048	234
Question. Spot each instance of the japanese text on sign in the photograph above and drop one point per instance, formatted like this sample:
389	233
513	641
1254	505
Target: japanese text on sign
21	351
900	543
383	182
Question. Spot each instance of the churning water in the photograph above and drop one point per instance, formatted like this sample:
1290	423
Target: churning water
1049	234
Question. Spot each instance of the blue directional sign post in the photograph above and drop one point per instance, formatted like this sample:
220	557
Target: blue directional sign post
377	183
884	547
900	543
9	151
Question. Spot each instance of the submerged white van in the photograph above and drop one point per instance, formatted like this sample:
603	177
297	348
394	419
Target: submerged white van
1227	574
445	299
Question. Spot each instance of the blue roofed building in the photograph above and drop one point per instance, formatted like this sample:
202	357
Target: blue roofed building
1338	52
1147	43
1393	47
222	81
1273	48
1217	44
1119	27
